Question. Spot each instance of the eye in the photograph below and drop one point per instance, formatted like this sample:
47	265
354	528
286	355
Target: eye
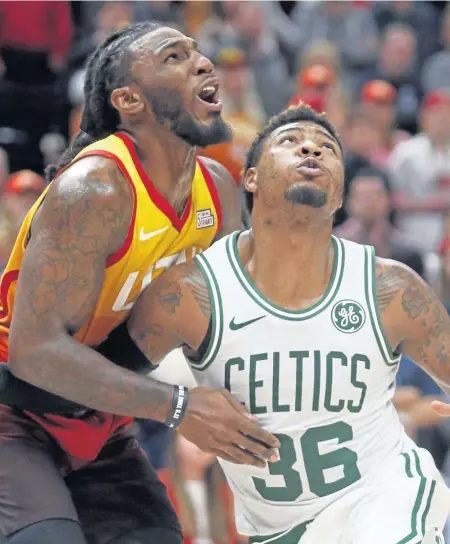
288	138
328	146
172	56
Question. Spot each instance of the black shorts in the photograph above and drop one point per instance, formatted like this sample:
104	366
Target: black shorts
116	494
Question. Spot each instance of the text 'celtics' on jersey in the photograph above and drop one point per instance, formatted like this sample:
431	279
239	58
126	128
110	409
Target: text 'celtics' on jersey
322	379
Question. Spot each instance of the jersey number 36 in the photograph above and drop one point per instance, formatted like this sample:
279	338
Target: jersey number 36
315	464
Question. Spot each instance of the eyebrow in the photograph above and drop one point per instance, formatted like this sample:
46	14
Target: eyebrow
302	130
173	42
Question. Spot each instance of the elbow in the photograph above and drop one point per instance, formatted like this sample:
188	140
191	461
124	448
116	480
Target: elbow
17	361
23	357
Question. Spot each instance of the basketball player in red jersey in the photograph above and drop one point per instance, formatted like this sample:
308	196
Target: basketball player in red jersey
128	200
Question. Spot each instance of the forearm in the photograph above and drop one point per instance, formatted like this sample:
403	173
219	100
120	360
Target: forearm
76	372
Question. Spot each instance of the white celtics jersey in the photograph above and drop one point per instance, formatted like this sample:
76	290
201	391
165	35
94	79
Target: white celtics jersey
321	379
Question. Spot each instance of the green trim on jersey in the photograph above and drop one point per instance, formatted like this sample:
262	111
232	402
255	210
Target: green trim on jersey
216	314
422	503
291	315
370	288
291	536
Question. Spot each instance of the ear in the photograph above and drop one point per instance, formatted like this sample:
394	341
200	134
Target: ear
127	101
251	180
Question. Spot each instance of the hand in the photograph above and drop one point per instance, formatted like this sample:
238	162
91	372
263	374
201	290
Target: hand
217	423
441	408
248	20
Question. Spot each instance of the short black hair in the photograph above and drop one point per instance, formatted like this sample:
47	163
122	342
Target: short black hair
107	69
292	114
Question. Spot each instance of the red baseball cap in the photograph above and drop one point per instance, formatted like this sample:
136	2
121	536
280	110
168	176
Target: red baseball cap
436	98
378	90
317	75
22	181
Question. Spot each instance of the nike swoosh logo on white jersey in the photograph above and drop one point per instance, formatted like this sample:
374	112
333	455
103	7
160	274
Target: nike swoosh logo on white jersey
147	235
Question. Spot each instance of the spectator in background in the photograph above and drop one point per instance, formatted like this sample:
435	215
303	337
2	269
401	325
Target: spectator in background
436	70
35	38
164	11
360	138
420	171
18	194
319	87
202	500
109	17
422	17
321	52
369	207
247	21
351	29
242	106
397	64
34	42
378	100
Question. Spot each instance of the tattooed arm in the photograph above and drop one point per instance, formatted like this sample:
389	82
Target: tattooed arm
228	195
174	311
84	218
415	319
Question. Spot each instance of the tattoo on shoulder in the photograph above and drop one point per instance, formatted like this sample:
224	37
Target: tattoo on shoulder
77	227
170	297
188	277
414	302
395	280
390	279
195	281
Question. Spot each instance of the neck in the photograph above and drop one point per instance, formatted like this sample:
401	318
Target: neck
291	260
167	160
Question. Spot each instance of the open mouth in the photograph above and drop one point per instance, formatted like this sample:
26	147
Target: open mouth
209	96
310	166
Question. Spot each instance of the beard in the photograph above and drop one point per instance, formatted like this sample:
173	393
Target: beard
306	195
169	109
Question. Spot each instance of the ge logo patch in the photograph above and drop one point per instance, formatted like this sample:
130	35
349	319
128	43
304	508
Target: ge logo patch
348	316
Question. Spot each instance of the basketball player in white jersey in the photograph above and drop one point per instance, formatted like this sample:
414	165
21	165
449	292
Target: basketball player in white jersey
305	329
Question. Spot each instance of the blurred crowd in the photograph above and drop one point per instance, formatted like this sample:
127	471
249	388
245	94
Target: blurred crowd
381	71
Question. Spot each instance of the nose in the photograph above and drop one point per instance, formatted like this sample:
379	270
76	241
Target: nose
309	148
202	65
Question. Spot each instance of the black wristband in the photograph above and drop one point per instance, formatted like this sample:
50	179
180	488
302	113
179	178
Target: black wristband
179	405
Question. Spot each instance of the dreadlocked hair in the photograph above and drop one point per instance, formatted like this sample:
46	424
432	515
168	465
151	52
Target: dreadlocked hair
106	70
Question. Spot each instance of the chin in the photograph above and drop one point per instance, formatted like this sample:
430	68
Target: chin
306	195
197	134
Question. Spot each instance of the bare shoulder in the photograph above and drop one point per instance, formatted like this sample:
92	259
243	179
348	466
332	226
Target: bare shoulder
95	174
417	318
398	284
173	311
82	220
229	196
91	198
408	305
